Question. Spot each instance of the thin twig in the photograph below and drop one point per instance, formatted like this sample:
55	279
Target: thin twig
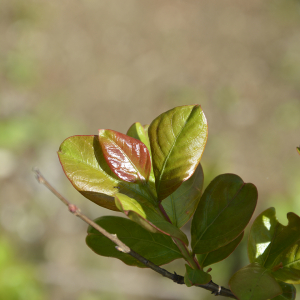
211	286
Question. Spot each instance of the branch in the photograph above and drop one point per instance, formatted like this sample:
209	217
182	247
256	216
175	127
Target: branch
211	286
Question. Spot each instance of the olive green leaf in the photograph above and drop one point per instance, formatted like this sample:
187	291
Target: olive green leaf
289	292
276	247
181	205
298	149
194	277
221	253
149	216
177	139
254	282
157	248
223	212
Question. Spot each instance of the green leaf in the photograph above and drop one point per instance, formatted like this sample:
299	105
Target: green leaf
289	292
221	253
149	216
139	132
157	248
275	246
85	166
254	282
298	149
224	211
127	157
181	205
194	277
177	139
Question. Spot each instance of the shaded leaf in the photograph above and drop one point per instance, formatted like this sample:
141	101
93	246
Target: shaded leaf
224	211
254	282
127	157
298	149
84	165
221	253
289	292
194	277
158	248
275	246
148	216
177	139
181	205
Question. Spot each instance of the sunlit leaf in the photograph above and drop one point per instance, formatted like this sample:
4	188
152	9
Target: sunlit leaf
221	253
194	277
289	292
127	157
148	216
275	246
158	248
224	211
254	282
177	139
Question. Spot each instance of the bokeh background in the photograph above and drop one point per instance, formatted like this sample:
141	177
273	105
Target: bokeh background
72	67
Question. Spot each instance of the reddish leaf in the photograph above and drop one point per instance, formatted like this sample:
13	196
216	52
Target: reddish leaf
127	157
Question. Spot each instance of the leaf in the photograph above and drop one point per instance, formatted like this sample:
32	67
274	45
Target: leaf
181	205
157	248
298	150
194	277
224	211
221	253
177	139
84	165
138	132
275	246
148	216
289	292
127	157
254	282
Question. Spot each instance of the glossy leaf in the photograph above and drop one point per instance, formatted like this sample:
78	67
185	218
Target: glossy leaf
83	163
148	216
254	282
177	139
194	277
224	211
289	292
157	248
127	157
221	253
275	246
181	205
138	132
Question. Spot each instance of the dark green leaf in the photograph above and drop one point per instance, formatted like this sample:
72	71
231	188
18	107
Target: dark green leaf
177	139
275	246
221	253
148	216
157	248
254	282
289	292
127	157
224	211
181	205
194	277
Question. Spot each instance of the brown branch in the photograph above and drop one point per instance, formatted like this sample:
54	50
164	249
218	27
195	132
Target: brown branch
211	286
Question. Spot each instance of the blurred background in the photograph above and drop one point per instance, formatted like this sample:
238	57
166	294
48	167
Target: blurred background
72	67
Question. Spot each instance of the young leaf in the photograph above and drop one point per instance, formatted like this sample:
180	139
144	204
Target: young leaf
276	247
127	157
148	216
158	248
181	205
177	139
194	277
254	282
224	211
221	253
289	292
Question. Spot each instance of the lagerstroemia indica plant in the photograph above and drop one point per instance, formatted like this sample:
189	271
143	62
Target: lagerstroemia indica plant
153	175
